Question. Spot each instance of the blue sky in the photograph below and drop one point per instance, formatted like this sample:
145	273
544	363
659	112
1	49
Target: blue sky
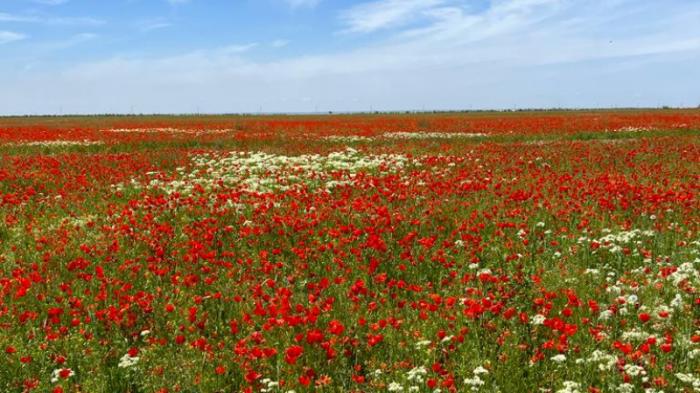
173	56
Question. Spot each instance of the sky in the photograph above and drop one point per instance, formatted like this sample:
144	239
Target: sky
263	56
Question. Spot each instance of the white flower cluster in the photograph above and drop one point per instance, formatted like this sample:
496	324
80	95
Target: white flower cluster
634	370
689	379
417	374
431	135
475	382
537	319
612	242
347	138
169	130
605	361
415	377
402	135
686	271
631	129
560	358
625	388
636	335
128	361
422	344
263	172
269	384
570	387
57	143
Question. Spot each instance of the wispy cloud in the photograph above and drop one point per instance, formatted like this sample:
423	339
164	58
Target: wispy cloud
10	36
234	49
156	26
383	14
5	17
50	2
69	42
509	34
75	21
153	24
279	43
51	20
302	3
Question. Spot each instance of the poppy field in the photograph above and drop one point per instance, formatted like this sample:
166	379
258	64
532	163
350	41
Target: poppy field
479	252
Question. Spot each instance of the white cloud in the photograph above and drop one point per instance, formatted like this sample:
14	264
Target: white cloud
10	36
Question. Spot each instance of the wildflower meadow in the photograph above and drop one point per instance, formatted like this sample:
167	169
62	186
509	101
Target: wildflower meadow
449	252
